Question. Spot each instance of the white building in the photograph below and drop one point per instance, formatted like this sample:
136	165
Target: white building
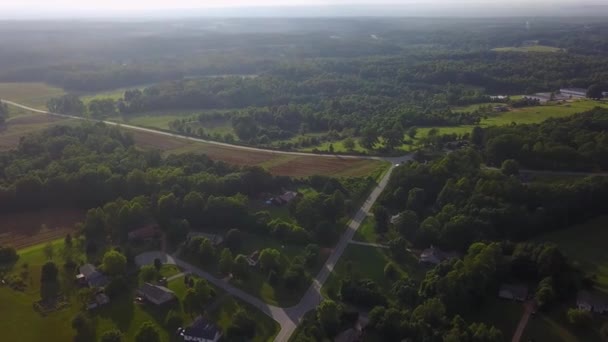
574	92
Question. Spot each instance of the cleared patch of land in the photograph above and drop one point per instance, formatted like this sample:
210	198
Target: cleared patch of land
22	123
369	262
525	115
278	164
586	245
31	94
30	228
532	48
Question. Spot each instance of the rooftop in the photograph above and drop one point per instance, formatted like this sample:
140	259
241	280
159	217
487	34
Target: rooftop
156	294
201	330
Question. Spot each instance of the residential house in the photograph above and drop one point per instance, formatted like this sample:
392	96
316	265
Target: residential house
285	198
215	239
253	258
590	301
574	92
156	294
395	218
90	276
435	256
513	292
201	330
146	233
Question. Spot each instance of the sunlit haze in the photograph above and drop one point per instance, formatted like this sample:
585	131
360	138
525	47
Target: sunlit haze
40	8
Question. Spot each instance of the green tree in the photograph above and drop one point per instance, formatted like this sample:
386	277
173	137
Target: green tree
381	218
100	108
148	273
416	199
240	269
412	131
390	271
595	91
269	259
393	138
477	136
226	261
166	208
241	328
114	263
49	251
83	326
349	143
112	336
510	167
49	286
579	318
407	223
173	320
147	333
328	315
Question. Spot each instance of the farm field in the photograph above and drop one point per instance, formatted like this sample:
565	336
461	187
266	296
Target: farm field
34	94
533	48
30	228
586	244
278	164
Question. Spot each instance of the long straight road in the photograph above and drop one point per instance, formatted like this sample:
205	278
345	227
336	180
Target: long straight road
180	136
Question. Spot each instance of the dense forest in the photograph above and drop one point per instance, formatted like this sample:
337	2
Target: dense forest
453	202
575	143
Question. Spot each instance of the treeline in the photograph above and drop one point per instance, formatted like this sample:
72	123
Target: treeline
453	202
575	143
90	165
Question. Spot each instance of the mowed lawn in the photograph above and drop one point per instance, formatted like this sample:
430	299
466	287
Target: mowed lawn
586	245
369	262
526	115
34	94
554	326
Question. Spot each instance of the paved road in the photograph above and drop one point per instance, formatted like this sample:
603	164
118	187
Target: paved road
368	244
288	318
392	160
523	322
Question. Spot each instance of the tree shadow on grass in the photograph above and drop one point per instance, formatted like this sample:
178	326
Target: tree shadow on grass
120	310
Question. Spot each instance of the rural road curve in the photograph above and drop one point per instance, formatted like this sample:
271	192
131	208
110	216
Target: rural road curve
288	318
392	160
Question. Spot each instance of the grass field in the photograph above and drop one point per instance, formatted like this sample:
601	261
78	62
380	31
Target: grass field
369	262
526	115
18	317
33	94
554	326
502	314
22	122
586	245
367	232
533	48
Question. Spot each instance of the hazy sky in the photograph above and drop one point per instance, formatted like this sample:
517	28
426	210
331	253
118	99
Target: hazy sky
121	5
116	8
